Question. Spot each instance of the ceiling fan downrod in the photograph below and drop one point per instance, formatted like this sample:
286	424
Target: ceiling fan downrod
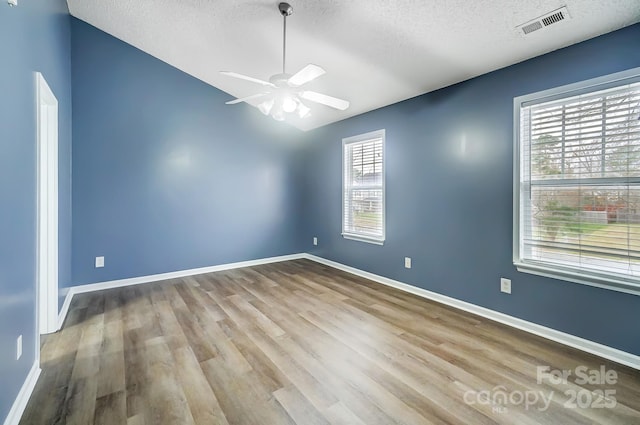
285	10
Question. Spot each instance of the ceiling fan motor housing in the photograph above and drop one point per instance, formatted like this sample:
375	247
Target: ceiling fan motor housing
280	80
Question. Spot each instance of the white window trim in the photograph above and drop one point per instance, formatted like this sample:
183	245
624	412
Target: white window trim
603	280
378	134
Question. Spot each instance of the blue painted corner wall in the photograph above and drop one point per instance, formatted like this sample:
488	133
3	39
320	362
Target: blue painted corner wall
166	176
36	38
449	195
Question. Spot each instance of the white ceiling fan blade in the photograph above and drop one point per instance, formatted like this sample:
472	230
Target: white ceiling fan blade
244	99
306	74
331	101
247	78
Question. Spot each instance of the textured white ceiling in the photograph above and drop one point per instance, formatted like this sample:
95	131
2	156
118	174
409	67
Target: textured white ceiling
376	52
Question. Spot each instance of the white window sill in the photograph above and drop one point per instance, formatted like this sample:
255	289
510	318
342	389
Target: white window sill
361	238
608	282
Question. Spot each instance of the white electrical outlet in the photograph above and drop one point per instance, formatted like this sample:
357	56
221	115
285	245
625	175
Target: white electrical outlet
99	262
315	240
505	285
407	262
19	348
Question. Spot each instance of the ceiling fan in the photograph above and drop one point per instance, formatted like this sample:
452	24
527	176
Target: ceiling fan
283	92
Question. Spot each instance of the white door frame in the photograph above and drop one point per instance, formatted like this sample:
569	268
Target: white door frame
47	243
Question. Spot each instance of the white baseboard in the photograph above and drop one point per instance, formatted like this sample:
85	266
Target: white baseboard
13	418
65	309
586	345
91	287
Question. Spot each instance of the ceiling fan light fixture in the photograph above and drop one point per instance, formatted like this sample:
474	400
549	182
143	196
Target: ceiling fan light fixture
282	106
266	106
303	110
278	115
288	103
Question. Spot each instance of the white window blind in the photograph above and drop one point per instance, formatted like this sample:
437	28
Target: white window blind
363	187
579	184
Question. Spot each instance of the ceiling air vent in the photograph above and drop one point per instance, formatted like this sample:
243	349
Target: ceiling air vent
545	20
533	26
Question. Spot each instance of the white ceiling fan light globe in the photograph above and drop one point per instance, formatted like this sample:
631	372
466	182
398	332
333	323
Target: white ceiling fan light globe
266	106
276	112
278	115
303	110
288	103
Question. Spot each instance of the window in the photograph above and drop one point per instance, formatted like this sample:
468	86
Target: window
577	182
363	187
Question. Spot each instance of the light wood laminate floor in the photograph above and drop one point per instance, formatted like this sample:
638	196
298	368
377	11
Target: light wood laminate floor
299	342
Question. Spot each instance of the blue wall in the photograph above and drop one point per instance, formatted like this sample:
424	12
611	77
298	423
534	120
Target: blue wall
35	37
449	195
166	176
